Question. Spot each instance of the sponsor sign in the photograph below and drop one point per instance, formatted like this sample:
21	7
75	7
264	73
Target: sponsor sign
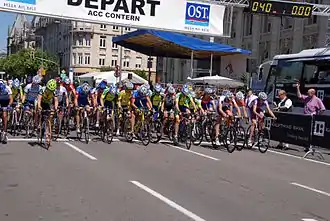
321	131
169	15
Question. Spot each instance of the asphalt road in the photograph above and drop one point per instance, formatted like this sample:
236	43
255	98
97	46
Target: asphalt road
122	181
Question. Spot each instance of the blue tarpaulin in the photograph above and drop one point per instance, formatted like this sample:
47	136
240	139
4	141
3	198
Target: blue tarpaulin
168	44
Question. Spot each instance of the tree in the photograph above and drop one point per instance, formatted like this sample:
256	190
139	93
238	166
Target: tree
106	68
27	62
141	73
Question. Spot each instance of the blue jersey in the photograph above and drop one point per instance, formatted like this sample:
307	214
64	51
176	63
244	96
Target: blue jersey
82	96
32	91
5	93
140	100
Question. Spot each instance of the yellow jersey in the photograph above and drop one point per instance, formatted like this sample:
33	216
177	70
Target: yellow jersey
125	98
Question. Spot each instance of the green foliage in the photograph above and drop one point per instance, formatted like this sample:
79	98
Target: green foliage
106	68
27	62
141	73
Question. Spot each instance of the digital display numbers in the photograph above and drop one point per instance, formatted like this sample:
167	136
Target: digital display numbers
292	9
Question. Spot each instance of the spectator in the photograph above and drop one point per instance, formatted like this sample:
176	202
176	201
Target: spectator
312	104
285	105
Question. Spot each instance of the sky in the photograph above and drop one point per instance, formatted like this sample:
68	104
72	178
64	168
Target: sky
6	19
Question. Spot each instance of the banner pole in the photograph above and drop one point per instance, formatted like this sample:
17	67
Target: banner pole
192	64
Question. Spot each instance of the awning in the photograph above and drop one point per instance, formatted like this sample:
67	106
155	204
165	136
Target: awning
168	44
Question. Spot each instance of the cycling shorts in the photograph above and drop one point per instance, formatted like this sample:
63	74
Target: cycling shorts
183	108
4	104
109	104
45	106
207	106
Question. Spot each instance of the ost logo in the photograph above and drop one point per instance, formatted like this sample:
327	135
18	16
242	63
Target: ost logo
31	2
197	14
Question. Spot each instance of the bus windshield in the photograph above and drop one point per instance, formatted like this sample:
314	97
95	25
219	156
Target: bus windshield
288	72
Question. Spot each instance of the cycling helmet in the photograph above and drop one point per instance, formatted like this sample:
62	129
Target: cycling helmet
171	90
208	90
28	79
113	90
147	85
15	83
36	79
239	95
185	90
51	85
225	92
158	88
86	88
229	95
143	90
102	85
67	81
129	86
262	96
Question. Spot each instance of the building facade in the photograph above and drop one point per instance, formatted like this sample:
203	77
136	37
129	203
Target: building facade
265	36
88	47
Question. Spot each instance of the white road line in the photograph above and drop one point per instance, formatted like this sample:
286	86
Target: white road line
193	152
31	140
308	219
311	189
80	151
168	202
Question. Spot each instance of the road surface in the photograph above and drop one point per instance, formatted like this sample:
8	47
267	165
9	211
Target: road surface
74	181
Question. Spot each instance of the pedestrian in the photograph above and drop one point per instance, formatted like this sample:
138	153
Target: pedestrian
285	105
312	104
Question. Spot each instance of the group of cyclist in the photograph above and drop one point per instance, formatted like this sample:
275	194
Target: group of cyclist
172	102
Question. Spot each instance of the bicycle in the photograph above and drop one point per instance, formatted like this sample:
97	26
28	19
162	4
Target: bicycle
45	129
107	126
28	120
15	119
156	127
233	130
142	127
185	134
84	125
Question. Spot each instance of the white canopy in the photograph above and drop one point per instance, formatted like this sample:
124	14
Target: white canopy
110	77
218	81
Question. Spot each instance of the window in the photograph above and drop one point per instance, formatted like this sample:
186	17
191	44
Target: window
127	28
138	63
288	72
114	60
115	27
88	40
74	58
87	58
114	45
102	60
80	58
126	62
80	41
103	27
102	41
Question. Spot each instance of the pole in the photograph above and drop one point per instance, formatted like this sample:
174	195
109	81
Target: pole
42	50
71	52
121	55
192	64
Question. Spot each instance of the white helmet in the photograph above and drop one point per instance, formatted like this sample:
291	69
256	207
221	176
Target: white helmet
262	96
239	95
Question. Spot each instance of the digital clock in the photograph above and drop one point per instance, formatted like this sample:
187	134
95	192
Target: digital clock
281	8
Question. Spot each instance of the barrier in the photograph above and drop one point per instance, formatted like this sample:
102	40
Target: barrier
321	131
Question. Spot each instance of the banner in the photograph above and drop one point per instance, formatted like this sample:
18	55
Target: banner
291	128
169	15
321	131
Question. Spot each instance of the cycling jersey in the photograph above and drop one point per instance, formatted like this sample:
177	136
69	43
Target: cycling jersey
47	95
140	101
16	92
32	91
125	98
183	100
261	105
249	101
169	102
108	97
206	102
61	92
82	96
198	103
156	100
99	93
4	96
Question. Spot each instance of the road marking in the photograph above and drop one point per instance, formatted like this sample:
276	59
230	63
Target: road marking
80	151
168	201
193	152
308	219
31	140
311	189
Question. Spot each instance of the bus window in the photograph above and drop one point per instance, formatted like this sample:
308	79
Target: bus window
287	72
310	75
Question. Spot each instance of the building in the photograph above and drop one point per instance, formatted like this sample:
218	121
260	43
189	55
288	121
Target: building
265	36
88	47
19	35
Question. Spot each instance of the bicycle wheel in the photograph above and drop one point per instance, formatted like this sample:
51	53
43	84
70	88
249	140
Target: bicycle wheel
86	129
247	137
230	140
241	138
58	128
156	131
145	134
109	128
127	130
47	138
188	136
14	121
197	133
263	141
207	131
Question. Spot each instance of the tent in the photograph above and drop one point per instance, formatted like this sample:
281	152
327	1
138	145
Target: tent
168	44
218	81
110	77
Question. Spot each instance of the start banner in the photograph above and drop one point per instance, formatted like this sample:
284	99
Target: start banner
168	15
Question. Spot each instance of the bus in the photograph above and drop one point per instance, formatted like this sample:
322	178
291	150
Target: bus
310	67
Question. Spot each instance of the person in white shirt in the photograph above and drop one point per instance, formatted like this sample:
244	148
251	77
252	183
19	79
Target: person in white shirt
285	105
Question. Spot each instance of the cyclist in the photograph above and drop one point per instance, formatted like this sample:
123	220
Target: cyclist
198	103
48	96
182	101
83	99
62	94
109	98
124	98
157	97
98	94
168	104
71	91
140	100
6	100
17	94
259	106
207	100
239	98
